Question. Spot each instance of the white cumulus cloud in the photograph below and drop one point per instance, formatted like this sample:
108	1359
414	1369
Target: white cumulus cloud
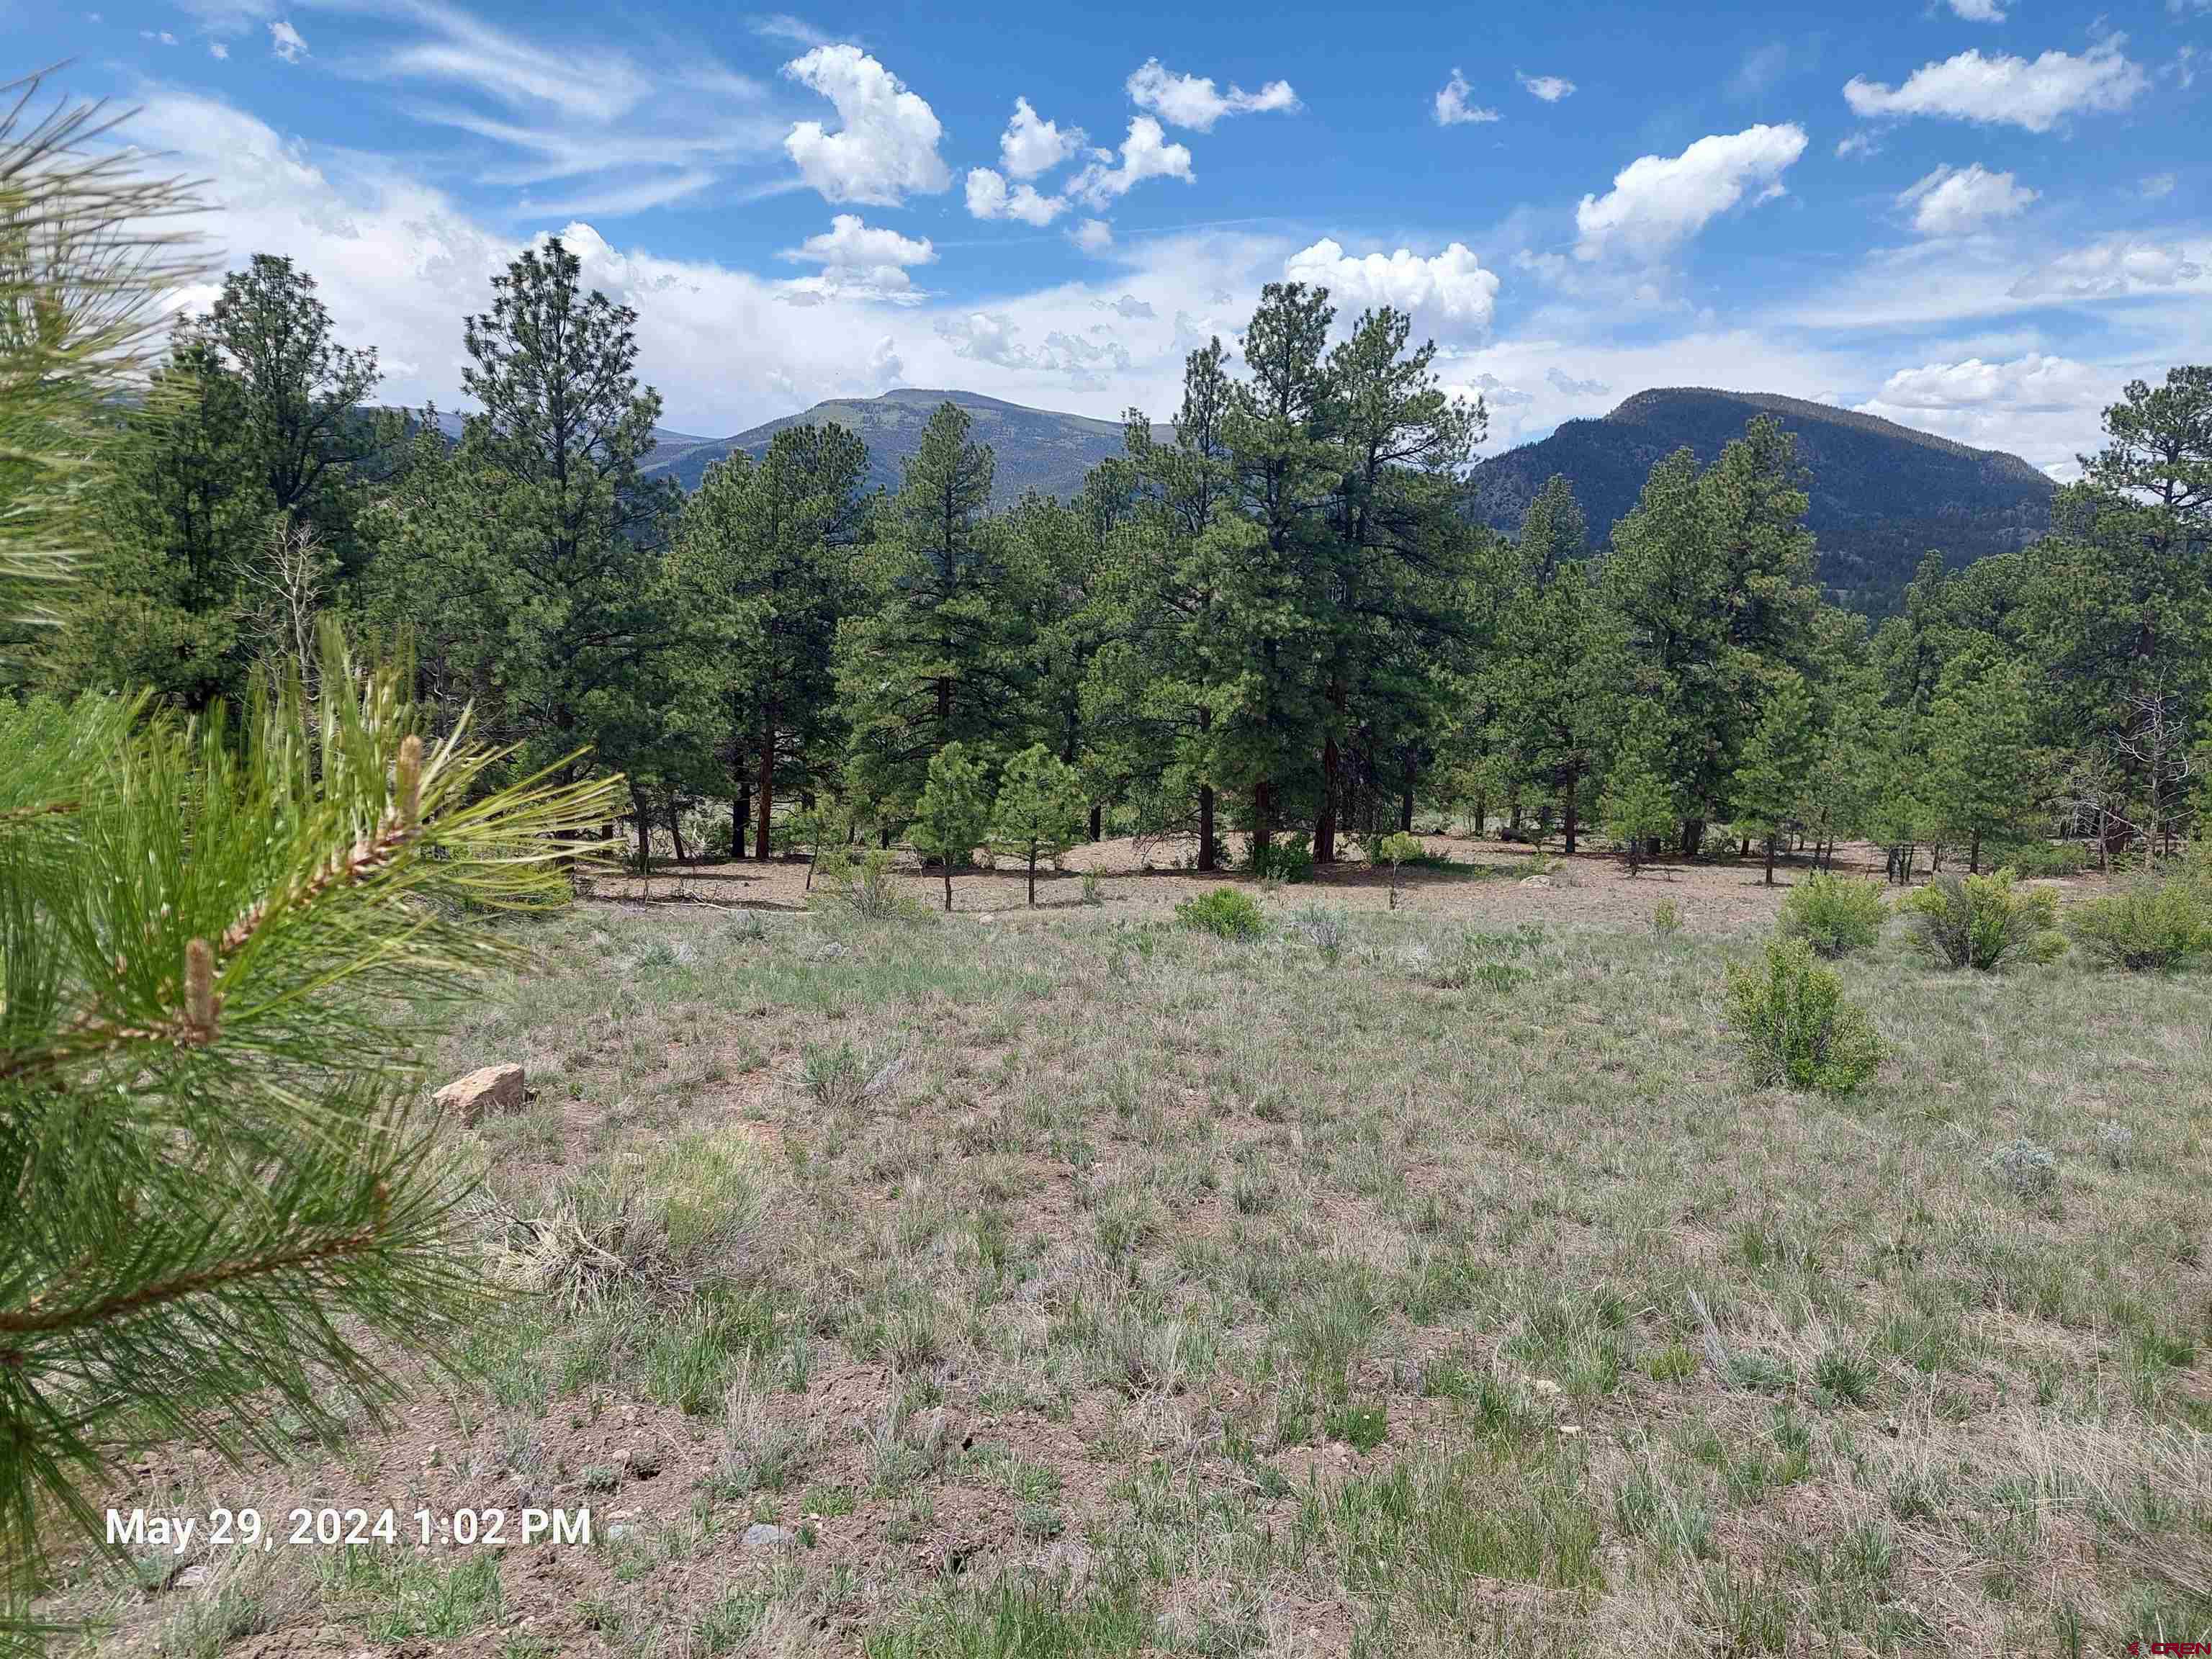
287	42
1658	202
2039	406
1960	201
990	197
1031	145
1979	11
1094	236
887	145
1450	292
1454	108
2008	90
1190	101
1146	154
1549	87
860	261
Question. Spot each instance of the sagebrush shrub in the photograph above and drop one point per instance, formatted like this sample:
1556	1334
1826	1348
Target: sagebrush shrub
1789	1016
2147	925
1324	929
1985	922
1834	915
2029	1170
1666	917
1223	912
867	889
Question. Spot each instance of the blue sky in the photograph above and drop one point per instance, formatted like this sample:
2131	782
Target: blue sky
1978	216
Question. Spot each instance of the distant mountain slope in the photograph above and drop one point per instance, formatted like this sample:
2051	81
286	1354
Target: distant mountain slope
451	423
1035	448
1883	494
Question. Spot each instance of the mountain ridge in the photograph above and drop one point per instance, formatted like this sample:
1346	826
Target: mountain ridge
1881	493
1040	449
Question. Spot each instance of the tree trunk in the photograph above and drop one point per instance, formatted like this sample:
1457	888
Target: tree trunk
1405	800
1325	820
738	803
883	836
765	791
1206	859
1032	877
1574	780
1481	815
1693	836
1974	854
1098	821
948	884
1262	806
676	824
1770	861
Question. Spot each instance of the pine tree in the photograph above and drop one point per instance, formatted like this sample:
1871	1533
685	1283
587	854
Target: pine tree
1985	776
1771	779
1280	611
1638	808
1039	813
224	1195
953	815
944	648
1155	683
761	570
562	530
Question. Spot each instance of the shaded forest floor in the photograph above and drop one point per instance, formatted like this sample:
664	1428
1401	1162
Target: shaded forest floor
1070	1283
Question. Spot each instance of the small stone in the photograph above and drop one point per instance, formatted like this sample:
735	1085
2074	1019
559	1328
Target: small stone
488	1089
761	1536
644	1462
620	1530
1545	1389
1535	881
193	1577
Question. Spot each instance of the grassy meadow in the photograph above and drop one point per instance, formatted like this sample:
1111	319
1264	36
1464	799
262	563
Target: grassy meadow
1410	1282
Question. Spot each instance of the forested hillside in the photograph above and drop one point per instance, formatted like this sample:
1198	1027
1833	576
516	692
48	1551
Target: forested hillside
1269	617
1879	494
1034	449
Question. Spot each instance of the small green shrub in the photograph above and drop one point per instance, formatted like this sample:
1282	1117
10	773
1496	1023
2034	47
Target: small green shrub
1094	890
2047	858
1396	850
1794	1025
2147	925
1834	915
1290	860
1223	912
1985	921
1666	917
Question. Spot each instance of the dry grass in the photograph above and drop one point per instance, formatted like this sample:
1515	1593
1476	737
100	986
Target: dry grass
1075	1283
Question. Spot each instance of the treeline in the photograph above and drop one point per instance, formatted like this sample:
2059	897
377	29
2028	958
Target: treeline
1281	624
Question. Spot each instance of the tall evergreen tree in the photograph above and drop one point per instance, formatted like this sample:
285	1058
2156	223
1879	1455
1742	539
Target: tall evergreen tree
944	649
762	565
567	531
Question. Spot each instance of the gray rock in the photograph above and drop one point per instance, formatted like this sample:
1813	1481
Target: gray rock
761	1536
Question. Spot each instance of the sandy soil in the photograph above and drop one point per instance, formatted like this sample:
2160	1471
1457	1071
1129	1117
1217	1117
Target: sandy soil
1492	884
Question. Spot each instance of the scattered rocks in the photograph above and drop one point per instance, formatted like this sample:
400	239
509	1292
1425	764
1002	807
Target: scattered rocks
762	1536
487	1088
1535	881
